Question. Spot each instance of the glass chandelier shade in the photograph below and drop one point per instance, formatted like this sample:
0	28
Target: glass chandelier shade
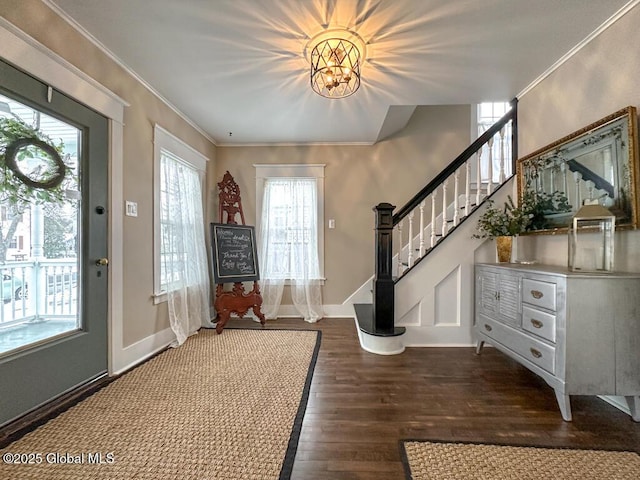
335	68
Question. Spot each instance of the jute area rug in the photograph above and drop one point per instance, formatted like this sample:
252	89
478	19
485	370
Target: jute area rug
224	406
465	461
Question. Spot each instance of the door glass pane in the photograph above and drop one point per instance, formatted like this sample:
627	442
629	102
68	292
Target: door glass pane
39	229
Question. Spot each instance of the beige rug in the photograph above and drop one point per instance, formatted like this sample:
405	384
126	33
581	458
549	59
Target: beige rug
224	406
464	461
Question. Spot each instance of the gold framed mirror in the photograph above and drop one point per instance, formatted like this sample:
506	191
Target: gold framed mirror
596	164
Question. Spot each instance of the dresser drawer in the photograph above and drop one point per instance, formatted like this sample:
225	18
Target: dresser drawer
540	294
539	323
535	351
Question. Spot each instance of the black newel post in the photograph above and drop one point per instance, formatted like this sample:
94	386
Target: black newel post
383	286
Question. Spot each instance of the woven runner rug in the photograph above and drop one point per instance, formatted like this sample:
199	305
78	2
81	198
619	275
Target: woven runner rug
466	461
224	406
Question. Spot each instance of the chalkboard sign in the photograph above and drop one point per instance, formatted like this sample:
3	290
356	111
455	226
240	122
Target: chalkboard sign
234	253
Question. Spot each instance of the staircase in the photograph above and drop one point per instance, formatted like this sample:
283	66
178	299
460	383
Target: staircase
419	229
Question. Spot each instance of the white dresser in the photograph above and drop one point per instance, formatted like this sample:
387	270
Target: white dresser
579	331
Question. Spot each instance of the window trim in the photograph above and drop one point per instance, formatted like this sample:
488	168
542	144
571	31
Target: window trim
163	140
316	171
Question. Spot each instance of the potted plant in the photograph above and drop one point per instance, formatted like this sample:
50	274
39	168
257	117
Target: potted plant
503	224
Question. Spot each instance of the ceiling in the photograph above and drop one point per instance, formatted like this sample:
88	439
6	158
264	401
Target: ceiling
237	69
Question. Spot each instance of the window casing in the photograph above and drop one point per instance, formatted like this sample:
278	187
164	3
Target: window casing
168	148
288	230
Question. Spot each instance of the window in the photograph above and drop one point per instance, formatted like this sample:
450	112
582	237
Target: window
294	197
489	113
178	174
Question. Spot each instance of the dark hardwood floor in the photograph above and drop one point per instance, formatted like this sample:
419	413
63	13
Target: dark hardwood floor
361	405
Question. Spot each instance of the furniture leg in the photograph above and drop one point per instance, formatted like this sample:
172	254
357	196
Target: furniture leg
223	318
564	402
634	406
259	314
479	346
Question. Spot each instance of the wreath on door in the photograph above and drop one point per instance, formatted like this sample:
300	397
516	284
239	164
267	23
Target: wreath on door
31	164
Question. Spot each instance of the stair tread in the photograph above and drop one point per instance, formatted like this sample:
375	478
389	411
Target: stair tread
364	319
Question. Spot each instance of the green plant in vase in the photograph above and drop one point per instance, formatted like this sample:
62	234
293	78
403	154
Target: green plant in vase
507	221
502	224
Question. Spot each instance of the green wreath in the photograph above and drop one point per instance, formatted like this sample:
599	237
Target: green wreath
19	141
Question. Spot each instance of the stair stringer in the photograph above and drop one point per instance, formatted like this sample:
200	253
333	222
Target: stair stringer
435	300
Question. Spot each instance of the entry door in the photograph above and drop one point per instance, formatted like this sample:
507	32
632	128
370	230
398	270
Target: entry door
53	244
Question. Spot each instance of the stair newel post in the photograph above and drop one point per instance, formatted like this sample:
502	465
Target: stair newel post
410	247
383	284
421	246
467	188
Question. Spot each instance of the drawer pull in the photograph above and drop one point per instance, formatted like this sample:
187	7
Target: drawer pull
535	353
487	327
536	323
537	294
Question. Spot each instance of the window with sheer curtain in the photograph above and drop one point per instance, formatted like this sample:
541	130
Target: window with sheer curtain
290	206
290	228
181	268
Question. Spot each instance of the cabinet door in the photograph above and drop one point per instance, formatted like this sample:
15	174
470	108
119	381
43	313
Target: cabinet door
509	299
487	293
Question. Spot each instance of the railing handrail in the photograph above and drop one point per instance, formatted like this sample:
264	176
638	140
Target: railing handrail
461	159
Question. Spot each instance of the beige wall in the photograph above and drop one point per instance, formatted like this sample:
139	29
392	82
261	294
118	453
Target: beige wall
356	179
141	317
600	79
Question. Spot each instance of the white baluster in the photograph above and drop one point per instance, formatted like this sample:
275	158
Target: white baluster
467	189
479	176
400	265
433	218
444	209
421	246
456	202
410	246
490	167
502	174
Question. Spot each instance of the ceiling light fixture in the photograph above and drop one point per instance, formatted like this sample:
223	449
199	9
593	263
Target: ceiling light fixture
336	57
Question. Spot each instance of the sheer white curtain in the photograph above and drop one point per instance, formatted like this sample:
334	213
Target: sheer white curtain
289	246
184	258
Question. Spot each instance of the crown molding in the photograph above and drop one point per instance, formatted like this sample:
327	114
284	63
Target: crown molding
113	57
565	58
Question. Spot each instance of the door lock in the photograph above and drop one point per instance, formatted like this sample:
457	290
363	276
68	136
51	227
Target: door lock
102	262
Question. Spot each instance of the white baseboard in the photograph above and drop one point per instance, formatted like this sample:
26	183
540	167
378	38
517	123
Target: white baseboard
138	352
330	311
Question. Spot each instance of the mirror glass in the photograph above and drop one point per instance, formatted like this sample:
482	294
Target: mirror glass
597	164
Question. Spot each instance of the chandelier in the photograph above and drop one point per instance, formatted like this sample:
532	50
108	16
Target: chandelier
335	57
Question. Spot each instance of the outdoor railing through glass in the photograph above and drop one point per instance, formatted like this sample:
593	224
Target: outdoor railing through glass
39	300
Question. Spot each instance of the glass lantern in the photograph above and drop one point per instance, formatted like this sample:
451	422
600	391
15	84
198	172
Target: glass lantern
591	240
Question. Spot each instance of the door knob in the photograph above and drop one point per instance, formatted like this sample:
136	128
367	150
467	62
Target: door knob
102	262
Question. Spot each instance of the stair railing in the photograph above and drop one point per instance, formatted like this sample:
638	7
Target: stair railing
436	210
